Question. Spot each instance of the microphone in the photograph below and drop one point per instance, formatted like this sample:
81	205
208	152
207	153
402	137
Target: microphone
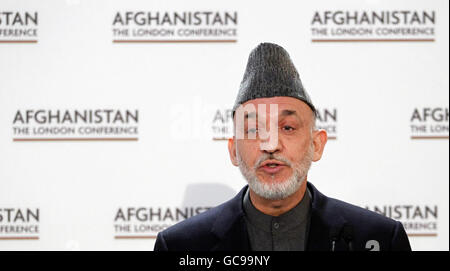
348	236
334	236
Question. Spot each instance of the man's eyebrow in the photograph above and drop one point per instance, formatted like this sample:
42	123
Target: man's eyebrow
286	112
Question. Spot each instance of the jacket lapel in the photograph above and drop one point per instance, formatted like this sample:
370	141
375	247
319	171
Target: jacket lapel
230	228
324	224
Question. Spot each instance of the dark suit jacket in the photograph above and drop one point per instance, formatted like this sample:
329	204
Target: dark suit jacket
223	228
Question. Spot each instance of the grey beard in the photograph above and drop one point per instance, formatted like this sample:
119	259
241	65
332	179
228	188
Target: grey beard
277	190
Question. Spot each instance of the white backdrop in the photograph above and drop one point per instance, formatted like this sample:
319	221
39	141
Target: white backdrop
168	98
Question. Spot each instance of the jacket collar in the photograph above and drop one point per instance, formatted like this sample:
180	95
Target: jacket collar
231	230
325	223
230	226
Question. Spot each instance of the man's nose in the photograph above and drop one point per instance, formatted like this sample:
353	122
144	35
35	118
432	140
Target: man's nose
269	130
272	143
272	150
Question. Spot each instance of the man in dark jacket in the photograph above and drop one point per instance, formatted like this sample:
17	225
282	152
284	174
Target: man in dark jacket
279	209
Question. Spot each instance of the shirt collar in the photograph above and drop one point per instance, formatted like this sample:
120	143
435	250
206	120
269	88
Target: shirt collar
287	221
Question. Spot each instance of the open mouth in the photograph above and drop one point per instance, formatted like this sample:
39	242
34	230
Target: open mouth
272	166
272	163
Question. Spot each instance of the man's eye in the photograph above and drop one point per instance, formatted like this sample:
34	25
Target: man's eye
288	128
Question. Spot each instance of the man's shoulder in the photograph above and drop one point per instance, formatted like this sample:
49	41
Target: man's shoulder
329	208
198	223
359	215
367	229
197	232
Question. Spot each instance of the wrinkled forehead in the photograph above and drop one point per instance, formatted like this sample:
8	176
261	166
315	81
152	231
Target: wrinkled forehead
274	107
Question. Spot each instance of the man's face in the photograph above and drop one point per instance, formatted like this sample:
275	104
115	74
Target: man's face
276	171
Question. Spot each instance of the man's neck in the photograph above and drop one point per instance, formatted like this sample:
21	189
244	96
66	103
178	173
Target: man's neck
278	207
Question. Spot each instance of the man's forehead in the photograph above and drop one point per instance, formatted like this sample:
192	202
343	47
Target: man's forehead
281	113
286	106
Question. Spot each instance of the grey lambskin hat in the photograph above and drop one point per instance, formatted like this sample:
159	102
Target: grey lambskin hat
271	73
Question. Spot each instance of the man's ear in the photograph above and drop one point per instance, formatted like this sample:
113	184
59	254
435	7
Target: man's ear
232	150
320	138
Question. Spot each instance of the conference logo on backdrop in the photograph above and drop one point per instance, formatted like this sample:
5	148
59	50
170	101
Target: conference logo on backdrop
384	25
19	223
222	123
75	125
146	222
418	220
429	123
175	26
18	26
